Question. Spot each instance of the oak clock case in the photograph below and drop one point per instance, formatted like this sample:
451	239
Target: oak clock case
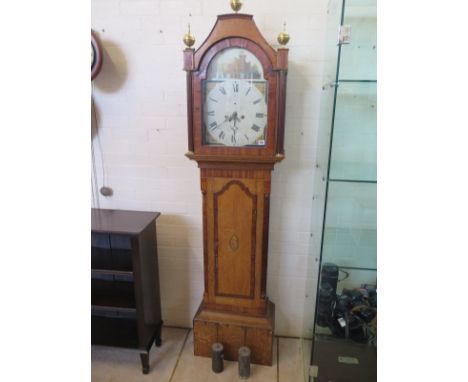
236	84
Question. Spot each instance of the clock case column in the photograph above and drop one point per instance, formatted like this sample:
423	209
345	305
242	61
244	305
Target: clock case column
235	183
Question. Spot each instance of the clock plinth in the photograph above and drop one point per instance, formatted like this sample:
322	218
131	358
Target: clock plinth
234	331
236	94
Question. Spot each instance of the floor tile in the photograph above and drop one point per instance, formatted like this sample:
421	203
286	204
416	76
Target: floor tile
306	354
193	368
290	366
123	365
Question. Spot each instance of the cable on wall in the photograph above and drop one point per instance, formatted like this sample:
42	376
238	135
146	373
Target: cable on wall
94	181
103	190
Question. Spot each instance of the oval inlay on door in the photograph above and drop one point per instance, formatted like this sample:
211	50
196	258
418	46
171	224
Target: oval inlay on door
234	243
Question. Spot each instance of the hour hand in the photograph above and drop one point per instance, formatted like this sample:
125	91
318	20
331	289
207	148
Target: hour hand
226	119
234	117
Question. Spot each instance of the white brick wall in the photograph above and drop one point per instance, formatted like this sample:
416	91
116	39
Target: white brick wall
140	101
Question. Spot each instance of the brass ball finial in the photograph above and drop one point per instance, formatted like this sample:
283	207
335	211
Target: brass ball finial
283	37
189	38
236	5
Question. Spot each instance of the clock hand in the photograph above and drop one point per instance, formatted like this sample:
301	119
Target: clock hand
233	138
235	118
226	119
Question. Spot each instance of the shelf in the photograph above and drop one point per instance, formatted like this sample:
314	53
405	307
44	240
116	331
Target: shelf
354	144
357	268
361	10
358	81
112	311
122	275
353	181
111	251
356	277
351	247
358	59
114	331
110	291
350	231
111	259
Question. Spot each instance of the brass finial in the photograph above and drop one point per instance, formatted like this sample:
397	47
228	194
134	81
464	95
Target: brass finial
236	5
189	38
283	37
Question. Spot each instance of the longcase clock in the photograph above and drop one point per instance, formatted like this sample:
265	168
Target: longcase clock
236	87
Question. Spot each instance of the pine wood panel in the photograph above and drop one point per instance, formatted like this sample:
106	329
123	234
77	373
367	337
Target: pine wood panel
234	210
235	214
206	335
260	343
232	338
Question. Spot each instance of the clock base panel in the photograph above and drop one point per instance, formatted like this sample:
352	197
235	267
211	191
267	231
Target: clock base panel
234	331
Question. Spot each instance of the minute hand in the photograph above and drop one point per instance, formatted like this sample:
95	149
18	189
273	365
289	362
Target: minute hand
235	118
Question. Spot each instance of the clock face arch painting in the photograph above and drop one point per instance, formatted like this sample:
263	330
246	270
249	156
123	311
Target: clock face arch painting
235	100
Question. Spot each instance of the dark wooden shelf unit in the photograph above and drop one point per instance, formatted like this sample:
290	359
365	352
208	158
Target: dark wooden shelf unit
125	298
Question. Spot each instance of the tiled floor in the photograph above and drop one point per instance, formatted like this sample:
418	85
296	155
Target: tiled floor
174	362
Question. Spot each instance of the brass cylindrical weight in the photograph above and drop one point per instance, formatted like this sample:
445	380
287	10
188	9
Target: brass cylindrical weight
244	362
217	357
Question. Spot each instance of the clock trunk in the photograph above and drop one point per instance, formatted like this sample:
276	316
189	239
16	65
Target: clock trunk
235	309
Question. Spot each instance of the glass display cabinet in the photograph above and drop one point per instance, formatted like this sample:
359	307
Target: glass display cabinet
344	331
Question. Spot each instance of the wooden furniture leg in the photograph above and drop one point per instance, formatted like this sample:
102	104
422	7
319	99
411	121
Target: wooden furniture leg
144	362
157	339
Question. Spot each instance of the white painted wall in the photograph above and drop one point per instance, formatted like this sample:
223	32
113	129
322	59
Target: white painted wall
139	148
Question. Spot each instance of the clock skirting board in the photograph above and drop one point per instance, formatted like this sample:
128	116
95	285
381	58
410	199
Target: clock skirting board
236	88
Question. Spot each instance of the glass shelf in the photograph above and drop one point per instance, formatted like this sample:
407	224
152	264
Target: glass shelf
350	233
352	181
359	58
354	147
357	268
340	81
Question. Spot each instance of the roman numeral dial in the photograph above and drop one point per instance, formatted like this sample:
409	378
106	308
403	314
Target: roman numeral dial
235	112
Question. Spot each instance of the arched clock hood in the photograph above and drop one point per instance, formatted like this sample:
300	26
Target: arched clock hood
236	30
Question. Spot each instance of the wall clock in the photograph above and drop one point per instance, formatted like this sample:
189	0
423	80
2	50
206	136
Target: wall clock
236	87
96	56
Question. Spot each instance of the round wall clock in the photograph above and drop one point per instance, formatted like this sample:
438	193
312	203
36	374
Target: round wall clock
96	56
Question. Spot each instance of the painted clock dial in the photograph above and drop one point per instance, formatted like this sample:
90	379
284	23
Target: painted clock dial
235	100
